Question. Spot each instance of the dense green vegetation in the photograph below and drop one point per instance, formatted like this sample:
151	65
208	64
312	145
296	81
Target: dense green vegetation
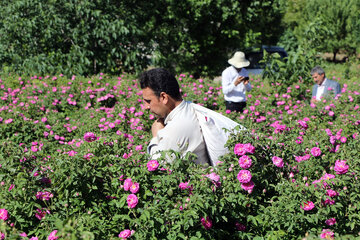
67	147
86	37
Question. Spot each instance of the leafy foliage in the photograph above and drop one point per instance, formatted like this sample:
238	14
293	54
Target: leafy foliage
43	149
87	37
326	25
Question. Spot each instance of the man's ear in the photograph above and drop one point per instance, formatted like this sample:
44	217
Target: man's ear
164	97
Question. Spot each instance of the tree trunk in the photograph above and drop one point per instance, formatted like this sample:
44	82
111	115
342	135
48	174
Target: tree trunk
335	52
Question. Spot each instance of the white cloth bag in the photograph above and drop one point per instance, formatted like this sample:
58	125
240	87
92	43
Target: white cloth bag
213	127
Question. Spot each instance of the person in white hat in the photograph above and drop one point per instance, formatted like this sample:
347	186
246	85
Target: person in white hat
235	82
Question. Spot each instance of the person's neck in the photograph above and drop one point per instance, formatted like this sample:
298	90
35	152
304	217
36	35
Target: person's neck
177	102
322	82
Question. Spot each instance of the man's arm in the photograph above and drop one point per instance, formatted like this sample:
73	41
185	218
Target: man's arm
228	84
337	89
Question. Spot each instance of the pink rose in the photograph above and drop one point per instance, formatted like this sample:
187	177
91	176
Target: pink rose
343	139
240	227
307	206
89	137
341	167
44	196
244	176
327	234
331	193
134	188
245	162
184	185
239	149
132	200
315	151
52	235
213	176
207	223
127	184
248	186
278	161
330	221
125	234
152	165
40	213
328	202
249	148
4	215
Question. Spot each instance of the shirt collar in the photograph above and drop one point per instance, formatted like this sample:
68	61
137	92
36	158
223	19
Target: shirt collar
323	83
172	114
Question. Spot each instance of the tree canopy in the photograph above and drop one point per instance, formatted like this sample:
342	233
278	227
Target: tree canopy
89	36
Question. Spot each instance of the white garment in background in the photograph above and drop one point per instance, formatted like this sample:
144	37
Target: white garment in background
231	92
320	90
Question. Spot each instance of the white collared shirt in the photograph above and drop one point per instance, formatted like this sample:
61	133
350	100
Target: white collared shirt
231	92
320	90
182	133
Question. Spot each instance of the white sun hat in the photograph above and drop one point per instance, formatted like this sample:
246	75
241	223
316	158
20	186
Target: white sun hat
239	60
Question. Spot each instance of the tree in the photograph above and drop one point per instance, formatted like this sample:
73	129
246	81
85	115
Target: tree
325	25
71	37
85	37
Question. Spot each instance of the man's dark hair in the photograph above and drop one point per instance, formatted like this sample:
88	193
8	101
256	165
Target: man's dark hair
160	80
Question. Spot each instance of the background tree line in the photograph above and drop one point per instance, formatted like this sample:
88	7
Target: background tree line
85	37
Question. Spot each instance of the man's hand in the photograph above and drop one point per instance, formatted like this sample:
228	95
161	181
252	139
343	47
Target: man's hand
157	125
241	79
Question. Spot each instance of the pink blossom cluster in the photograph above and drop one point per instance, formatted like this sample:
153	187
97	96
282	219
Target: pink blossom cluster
316	152
125	234
341	167
278	128
302	158
242	149
245	162
327	234
131	186
90	137
132	201
278	161
152	165
206	222
44	196
307	206
40	213
4	215
185	185
215	178
52	235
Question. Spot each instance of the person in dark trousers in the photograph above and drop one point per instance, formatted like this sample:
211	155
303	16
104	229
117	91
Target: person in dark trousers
235	82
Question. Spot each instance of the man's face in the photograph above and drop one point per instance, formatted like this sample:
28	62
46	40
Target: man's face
318	79
155	104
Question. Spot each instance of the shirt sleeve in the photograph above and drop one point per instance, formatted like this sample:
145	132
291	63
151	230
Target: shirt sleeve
248	87
337	89
166	140
227	82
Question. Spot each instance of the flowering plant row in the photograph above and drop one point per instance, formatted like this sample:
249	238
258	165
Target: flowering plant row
73	165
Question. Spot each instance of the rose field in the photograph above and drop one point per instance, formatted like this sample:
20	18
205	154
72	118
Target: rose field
73	163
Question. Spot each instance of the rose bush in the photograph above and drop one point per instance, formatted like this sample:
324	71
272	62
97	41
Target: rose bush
73	165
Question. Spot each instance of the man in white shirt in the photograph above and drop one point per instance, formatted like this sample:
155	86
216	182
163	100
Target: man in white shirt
235	82
323	87
177	127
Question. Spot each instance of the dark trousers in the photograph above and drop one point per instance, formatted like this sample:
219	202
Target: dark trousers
235	106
